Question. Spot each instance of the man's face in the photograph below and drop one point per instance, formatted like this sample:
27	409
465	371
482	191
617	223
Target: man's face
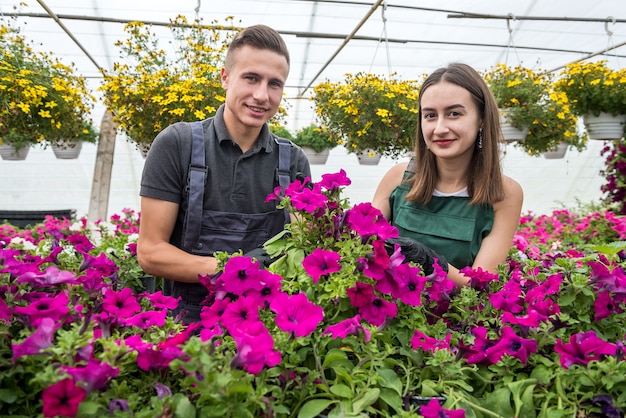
254	86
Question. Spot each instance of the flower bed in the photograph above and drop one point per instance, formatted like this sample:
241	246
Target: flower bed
338	324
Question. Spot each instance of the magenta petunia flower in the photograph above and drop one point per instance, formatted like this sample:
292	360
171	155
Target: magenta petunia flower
147	319
62	399
55	308
52	276
241	274
158	300
611	280
321	263
350	326
271	286
378	310
255	349
583	348
479	278
434	410
510	343
120	304
605	306
476	353
37	341
426	343
94	375
309	201
240	314
361	294
5	311
366	220
335	180
211	315
410	284
509	299
296	314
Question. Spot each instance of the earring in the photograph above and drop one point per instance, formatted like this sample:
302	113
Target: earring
480	138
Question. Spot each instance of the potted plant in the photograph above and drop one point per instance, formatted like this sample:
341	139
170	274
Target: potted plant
316	143
150	88
530	104
369	113
598	94
41	99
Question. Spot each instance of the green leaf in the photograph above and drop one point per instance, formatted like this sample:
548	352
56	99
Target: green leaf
499	401
239	387
183	407
390	380
87	408
314	407
7	395
341	390
392	398
368	398
333	356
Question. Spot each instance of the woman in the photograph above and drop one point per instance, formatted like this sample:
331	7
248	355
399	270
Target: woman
452	196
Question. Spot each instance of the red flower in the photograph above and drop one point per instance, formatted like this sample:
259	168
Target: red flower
62	398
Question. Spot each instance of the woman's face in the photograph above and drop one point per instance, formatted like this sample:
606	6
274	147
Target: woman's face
450	120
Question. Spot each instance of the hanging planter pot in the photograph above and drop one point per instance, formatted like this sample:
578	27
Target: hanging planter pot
509	132
314	157
368	157
10	153
557	153
66	150
605	126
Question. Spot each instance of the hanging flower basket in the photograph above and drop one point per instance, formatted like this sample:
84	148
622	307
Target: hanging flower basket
368	157
314	157
558	153
605	126
10	153
511	133
67	150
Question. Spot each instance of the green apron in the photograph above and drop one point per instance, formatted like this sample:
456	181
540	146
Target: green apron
449	225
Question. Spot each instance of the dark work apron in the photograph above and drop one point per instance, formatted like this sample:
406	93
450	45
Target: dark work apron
208	231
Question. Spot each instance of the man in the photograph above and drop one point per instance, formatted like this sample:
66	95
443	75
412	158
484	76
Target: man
208	195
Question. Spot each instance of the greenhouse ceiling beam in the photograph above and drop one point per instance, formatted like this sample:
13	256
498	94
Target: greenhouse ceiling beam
319	35
464	15
343	44
69	33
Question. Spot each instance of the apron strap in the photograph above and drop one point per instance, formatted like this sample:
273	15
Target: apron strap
283	172
196	179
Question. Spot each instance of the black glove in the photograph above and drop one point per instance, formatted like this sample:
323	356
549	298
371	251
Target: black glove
261	256
416	252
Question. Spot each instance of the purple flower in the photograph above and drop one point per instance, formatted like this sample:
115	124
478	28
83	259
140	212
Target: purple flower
509	299
309	201
476	353
95	374
350	326
378	310
426	343
52	276
361	294
162	390
255	349
583	348
147	319
62	399
478	278
367	221
163	302
510	343
37	341
321	263
120	304
241	274
434	410
240	314
410	284
605	306
296	314
334	181
54	307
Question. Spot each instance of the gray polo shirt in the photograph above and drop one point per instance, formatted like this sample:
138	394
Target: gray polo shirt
236	181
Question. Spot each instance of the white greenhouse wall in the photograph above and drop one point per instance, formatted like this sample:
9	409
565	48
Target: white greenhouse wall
42	182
